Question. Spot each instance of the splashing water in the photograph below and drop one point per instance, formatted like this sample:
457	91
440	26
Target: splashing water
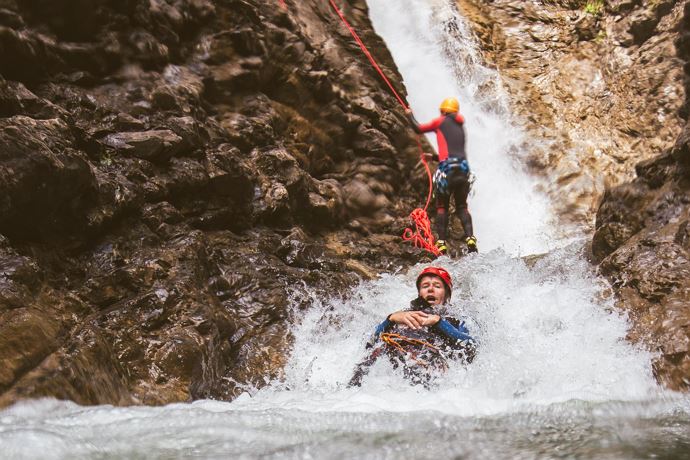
546	336
554	375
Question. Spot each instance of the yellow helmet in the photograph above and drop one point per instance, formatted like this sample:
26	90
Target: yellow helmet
450	105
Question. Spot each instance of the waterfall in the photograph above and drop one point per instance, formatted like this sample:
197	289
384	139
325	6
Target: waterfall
438	57
547	331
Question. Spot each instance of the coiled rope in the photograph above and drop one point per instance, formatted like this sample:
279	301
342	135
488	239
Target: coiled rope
421	236
404	344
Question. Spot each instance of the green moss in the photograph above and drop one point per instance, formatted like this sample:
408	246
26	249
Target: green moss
594	6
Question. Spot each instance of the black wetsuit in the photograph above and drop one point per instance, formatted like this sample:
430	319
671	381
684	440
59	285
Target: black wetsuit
452	175
449	340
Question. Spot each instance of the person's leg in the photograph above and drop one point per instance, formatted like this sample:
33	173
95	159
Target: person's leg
442	203
461	191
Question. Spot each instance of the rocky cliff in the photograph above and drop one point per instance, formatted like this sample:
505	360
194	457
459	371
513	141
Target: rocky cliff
598	84
643	242
175	178
603	87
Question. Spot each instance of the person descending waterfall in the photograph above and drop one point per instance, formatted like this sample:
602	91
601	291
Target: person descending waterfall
423	337
452	177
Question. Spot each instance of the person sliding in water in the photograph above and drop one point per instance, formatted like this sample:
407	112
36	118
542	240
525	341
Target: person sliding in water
452	176
421	338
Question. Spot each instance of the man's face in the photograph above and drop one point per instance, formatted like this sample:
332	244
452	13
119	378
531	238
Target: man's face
432	289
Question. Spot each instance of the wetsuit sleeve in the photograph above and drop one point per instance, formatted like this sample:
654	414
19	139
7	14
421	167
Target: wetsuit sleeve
424	127
459	333
383	327
460	119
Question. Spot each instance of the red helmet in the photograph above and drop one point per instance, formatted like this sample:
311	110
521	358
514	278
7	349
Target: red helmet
441	273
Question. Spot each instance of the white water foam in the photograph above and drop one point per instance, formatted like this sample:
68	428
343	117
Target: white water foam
546	336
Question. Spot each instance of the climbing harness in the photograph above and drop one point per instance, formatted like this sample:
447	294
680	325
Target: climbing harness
421	236
444	168
403	344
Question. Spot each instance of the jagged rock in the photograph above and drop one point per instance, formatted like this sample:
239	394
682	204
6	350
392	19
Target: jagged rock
172	185
27	336
154	145
125	121
372	142
297	251
79	373
44	182
326	208
360	199
681	150
150	51
19	275
16	99
27	56
181	90
11	19
575	94
641	240
229	175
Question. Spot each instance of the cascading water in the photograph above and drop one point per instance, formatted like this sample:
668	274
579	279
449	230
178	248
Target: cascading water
434	51
554	375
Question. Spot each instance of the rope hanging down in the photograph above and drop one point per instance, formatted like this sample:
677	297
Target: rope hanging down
422	236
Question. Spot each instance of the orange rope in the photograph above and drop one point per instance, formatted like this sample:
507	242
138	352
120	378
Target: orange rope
422	236
396	341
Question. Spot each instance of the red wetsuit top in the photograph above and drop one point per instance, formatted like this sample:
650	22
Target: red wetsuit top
450	134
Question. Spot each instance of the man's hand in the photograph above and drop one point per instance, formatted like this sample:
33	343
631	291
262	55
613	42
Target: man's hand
414	319
408	111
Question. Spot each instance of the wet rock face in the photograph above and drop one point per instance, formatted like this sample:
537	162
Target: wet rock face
598	84
177	180
642	241
604	88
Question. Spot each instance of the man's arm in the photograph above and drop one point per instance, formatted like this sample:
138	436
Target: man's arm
459	337
459	332
423	127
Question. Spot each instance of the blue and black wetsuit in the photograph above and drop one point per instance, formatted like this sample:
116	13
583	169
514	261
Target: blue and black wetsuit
452	176
449	339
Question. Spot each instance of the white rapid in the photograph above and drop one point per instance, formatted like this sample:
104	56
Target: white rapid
546	336
554	375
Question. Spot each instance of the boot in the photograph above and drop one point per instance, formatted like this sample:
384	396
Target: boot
441	246
471	244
